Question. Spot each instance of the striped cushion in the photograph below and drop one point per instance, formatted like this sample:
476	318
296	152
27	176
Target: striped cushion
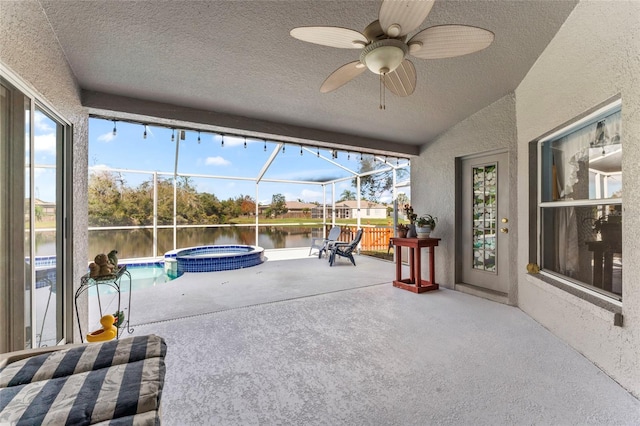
89	384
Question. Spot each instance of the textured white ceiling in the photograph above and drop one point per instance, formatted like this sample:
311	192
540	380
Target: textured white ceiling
237	57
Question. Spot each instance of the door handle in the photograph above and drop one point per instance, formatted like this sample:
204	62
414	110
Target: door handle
504	230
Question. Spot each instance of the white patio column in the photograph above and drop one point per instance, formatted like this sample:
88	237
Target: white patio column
155	213
175	194
257	212
333	204
324	211
358	223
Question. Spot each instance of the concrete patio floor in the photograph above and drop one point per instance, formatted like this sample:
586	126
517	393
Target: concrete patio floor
296	342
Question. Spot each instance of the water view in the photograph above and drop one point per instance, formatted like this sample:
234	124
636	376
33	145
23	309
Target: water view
139	242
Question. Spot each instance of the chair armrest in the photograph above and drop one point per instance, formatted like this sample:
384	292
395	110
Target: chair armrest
11	357
335	244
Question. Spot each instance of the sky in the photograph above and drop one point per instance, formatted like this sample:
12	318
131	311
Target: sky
44	155
128	149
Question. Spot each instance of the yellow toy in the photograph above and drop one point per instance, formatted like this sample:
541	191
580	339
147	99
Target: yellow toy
107	332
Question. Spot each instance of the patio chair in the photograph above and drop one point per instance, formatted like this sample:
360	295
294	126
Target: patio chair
322	244
345	249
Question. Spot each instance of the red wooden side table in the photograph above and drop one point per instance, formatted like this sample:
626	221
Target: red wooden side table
415	283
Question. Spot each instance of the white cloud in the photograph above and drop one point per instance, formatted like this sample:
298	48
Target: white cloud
216	161
43	123
107	137
45	143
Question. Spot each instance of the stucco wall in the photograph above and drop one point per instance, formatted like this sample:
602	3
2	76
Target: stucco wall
433	176
30	50
594	57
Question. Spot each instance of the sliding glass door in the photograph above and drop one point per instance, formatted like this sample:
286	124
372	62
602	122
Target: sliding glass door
33	210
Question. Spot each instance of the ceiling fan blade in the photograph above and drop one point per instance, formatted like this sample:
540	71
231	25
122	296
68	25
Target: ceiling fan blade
342	76
402	80
343	38
447	41
400	17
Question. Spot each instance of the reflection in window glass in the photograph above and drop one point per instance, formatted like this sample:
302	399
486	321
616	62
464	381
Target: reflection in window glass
584	164
47	140
581	240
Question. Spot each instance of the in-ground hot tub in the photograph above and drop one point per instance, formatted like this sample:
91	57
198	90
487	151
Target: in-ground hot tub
212	258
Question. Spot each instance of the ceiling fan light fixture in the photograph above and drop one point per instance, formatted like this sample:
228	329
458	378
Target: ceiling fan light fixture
383	56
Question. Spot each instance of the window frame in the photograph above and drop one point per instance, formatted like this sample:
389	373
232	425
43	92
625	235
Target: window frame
600	297
14	338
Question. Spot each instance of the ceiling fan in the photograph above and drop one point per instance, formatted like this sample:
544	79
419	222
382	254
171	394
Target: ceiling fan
384	46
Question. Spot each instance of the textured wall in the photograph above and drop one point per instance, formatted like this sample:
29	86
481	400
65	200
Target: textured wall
30	49
594	56
433	175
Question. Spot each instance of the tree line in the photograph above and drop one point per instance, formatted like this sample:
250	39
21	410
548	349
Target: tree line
113	203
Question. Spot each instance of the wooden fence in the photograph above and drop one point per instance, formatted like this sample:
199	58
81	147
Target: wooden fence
373	239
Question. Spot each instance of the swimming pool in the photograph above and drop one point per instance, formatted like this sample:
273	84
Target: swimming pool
213	258
192	259
142	276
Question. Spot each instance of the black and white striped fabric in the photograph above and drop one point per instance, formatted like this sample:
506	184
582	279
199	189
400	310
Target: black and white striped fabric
117	382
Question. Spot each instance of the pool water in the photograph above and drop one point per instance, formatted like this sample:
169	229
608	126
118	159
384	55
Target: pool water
141	277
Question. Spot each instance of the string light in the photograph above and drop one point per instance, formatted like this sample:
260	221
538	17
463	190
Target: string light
334	152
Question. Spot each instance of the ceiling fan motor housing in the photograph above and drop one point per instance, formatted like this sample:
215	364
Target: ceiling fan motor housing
383	56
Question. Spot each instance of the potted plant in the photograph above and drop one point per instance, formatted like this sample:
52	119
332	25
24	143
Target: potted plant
425	224
411	216
609	227
402	230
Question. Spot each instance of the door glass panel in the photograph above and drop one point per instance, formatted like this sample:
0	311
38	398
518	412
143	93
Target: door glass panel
48	297
485	213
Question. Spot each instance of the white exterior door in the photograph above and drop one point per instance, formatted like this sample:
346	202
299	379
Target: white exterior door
485	222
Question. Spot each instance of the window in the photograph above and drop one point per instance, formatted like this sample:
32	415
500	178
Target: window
580	202
35	254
